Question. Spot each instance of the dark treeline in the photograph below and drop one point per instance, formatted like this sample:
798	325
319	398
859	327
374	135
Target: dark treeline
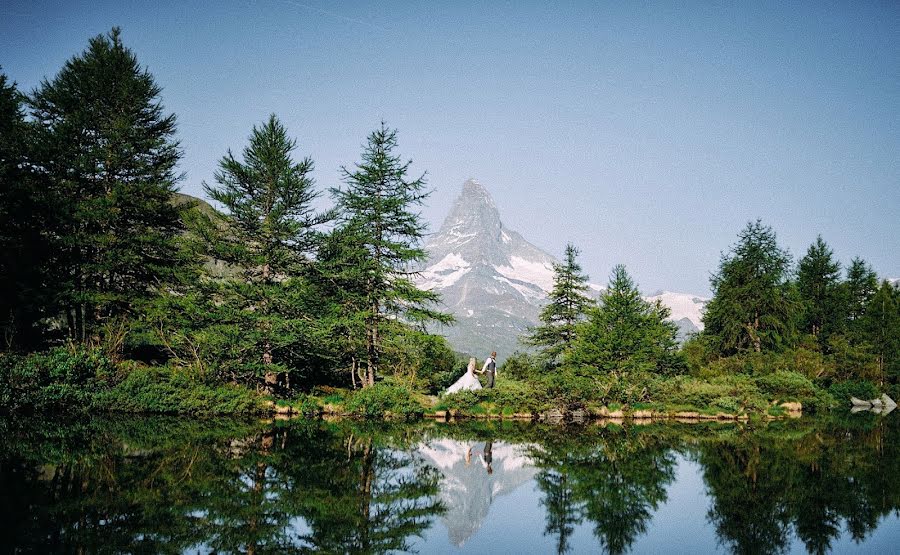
788	331
115	283
99	253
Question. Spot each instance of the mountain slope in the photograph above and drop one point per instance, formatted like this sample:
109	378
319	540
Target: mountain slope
495	282
490	277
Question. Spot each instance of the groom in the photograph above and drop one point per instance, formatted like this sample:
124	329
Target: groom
490	367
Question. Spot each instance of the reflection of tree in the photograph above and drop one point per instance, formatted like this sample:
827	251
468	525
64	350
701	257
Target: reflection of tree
564	512
747	504
765	484
173	485
147	489
613	480
361	498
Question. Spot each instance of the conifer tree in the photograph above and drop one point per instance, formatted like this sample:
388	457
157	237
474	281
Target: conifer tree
752	306
818	285
269	230
108	151
861	285
881	328
23	248
377	209
625	332
565	309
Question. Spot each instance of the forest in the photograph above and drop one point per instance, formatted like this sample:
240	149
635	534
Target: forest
122	295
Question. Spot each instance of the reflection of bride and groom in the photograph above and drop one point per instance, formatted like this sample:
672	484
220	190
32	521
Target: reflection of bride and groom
470	382
474	474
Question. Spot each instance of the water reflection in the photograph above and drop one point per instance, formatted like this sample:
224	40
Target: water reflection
173	486
474	474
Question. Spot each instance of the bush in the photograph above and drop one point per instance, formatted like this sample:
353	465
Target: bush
525	366
861	389
727	393
382	398
787	385
59	380
168	391
566	389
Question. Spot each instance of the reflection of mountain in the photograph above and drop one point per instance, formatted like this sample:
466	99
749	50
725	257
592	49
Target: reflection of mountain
467	489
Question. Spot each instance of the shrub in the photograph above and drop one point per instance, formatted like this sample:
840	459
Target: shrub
168	391
861	389
525	366
57	380
382	398
785	385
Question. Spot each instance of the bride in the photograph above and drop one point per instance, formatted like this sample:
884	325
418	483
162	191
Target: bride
468	381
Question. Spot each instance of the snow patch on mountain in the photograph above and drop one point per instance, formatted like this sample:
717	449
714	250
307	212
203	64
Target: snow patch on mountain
529	271
444	273
682	305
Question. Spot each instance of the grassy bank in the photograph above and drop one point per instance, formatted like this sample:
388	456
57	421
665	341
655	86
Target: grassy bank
85	381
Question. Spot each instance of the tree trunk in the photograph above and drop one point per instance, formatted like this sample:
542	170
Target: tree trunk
373	347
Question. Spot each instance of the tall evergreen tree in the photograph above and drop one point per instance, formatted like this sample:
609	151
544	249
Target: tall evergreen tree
23	248
566	307
881	328
625	332
752	306
109	153
818	285
269	230
376	207
861	284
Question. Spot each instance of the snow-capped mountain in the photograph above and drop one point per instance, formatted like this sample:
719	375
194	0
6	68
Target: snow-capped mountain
490	277
495	282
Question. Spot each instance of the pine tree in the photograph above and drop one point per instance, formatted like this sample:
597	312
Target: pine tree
565	309
269	230
881	328
625	332
376	208
861	285
23	248
109	154
752	306
818	285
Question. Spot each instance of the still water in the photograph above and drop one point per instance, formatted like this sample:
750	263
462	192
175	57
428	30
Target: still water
165	485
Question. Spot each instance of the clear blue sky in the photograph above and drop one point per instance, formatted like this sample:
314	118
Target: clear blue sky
646	133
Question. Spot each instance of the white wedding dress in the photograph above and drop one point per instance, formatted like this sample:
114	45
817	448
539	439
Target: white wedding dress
468	381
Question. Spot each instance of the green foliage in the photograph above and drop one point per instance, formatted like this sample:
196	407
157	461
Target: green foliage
735	393
822	302
60	380
382	231
861	389
626	333
383	398
752	306
880	325
860	287
24	249
421	360
269	230
167	391
525	366
108	155
566	307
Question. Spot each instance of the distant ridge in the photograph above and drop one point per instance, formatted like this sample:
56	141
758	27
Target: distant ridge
495	282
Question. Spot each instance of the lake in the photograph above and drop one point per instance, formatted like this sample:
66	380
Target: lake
175	485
